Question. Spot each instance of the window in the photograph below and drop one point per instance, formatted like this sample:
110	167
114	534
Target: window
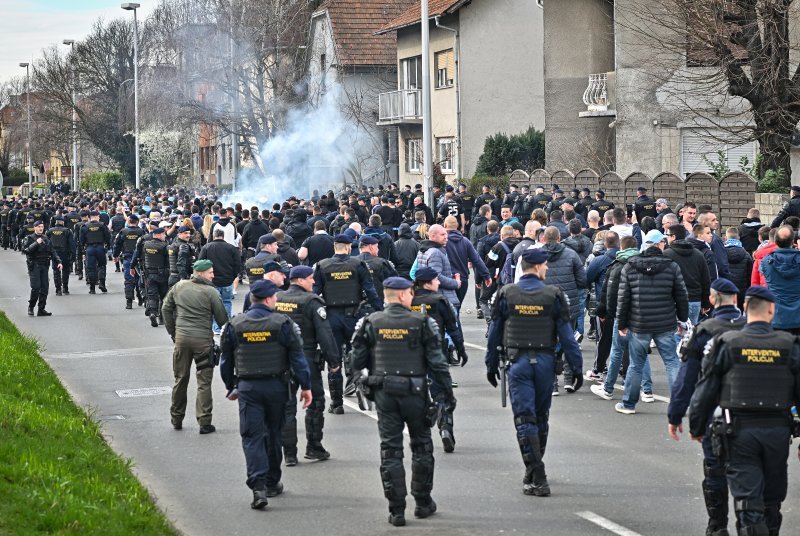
699	147
446	155
445	68
411	70
414	155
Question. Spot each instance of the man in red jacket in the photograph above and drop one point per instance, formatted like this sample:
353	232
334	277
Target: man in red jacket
758	278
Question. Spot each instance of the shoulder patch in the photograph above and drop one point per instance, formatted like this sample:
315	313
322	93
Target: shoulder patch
323	314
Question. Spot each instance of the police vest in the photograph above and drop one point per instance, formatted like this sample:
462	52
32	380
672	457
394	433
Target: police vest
541	200
27	230
717	326
4	215
129	237
59	238
43	252
428	304
117	224
94	233
645	207
258	353
530	324
37	214
255	267
759	378
342	288
72	220
172	254
155	259
602	206
375	265
294	304
398	349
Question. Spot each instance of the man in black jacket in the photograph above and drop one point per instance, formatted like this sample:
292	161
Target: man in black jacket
39	251
406	249
227	265
651	295
748	230
693	268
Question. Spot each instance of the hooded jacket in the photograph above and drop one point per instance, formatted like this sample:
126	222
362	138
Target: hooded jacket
581	245
693	269
477	229
748	234
757	278
386	248
781	270
596	272
406	249
708	255
461	252
740	265
607	299
565	270
434	256
651	294
298	227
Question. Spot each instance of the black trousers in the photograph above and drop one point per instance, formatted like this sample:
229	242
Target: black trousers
262	404
315	414
61	277
157	289
39	275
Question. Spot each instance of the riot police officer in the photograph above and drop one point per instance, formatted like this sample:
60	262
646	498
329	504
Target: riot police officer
307	310
125	246
790	208
95	239
644	205
528	319
540	199
429	301
725	317
5	228
259	349
181	256
752	374
117	224
39	251
341	281
25	230
64	244
379	268
80	249
267	251
400	348
601	205
156	269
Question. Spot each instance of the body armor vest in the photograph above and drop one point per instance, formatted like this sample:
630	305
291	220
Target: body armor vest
154	258
398	349
4	216
172	255
530	324
431	308
59	238
94	233
717	326
258	353
759	378
26	230
43	253
602	206
294	305
375	265
117	224
255	267
342	288
646	207
38	214
72	220
129	237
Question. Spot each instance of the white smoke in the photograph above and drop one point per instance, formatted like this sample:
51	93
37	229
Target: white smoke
312	152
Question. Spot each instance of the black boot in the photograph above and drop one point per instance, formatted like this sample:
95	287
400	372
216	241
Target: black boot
128	304
535	481
91	289
58	292
445	425
336	386
42	304
65	284
154	320
259	498
30	310
717	507
102	286
315	420
394	489
34	297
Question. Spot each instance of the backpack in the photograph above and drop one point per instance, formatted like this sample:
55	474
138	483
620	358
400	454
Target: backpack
507	272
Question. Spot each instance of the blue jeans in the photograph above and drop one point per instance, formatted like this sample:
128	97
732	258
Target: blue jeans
639	343
582	308
618	346
694	316
226	293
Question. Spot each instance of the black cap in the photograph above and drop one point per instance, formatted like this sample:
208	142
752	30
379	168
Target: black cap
397	283
762	293
425	274
724	286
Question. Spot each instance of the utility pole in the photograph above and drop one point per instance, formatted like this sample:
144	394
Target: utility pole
75	187
427	136
131	6
28	96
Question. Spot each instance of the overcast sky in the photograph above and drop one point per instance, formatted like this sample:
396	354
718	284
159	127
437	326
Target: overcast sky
28	26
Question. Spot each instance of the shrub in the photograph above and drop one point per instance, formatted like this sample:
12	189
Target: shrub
102	180
772	182
15	177
502	154
475	183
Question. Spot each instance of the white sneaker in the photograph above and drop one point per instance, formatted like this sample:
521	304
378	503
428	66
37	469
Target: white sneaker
600	391
652	343
619	407
592	376
647	397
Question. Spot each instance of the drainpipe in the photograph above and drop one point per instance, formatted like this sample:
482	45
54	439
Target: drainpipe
457	57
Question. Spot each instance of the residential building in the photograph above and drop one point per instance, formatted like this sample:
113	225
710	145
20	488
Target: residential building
486	77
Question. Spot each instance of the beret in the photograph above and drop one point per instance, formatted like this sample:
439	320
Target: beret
342	239
267	239
351	233
133	217
425	274
796	189
397	283
263	288
724	286
368	240
760	292
202	265
535	255
60	217
158	230
300	272
94	213
273	266
38	222
558	191
183	229
449	188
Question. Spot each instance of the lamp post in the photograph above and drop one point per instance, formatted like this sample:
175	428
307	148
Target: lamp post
71	43
28	97
132	6
427	134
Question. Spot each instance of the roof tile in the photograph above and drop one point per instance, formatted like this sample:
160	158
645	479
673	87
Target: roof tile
412	15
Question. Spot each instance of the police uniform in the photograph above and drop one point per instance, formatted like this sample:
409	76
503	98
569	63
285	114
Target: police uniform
39	256
342	280
95	238
752	374
117	225
715	486
400	348
644	206
528	319
790	208
436	306
156	270
602	205
379	268
259	349
5	228
25	230
125	247
63	243
181	256
307	310
80	249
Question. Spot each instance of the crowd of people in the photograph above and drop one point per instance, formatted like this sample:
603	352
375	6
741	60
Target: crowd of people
369	285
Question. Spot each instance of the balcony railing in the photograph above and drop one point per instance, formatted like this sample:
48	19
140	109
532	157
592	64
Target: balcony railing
598	96
403	106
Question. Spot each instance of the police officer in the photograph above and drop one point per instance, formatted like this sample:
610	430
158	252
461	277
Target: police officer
307	310
156	269
601	205
528	319
644	205
95	239
341	281
39	251
80	250
429	301
557	201
25	230
63	242
117	223
400	348
725	317
181	255
752	374
259	349
5	228
467	201
125	246
267	251
790	208
585	201
379	268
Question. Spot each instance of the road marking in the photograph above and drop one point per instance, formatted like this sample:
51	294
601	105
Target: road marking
116	352
607	524
144	391
353	405
475	346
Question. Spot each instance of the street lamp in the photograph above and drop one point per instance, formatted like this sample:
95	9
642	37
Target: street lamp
71	43
132	6
28	96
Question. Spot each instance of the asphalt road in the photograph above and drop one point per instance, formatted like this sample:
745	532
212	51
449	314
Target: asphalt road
609	473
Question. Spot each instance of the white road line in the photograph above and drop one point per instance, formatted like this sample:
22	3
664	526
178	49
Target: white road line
618	387
115	352
352	405
607	524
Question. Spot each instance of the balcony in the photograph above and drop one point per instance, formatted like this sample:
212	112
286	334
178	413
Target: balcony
599	96
400	107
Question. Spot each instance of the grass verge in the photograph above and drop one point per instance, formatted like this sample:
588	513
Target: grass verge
57	473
